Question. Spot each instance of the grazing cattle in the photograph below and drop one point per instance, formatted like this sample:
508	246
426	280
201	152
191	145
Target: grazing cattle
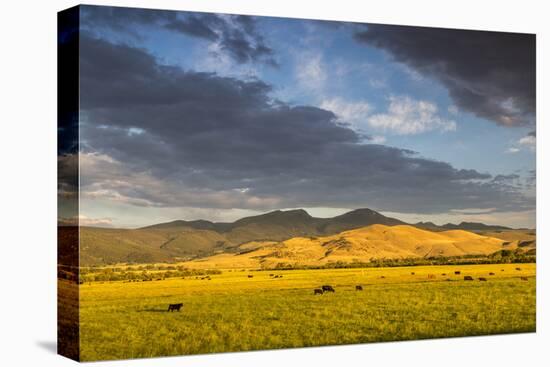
270	275
491	273
382	277
327	288
175	307
280	276
431	276
457	272
443	274
317	291
467	277
251	276
358	288
518	269
524	278
482	279
412	272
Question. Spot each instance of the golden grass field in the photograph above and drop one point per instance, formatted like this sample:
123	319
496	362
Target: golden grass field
232	312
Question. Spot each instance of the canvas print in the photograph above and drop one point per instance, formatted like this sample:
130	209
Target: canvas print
233	183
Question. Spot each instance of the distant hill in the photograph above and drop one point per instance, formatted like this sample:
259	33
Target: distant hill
363	244
467	226
474	226
356	219
181	240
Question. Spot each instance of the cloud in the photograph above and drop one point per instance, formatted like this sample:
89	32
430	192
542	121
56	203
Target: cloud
491	74
107	178
84	220
473	210
377	139
406	116
219	142
95	222
311	72
505	178
355	112
527	142
453	110
236	35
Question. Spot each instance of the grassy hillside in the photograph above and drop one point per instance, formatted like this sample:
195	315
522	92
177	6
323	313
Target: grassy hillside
106	246
362	245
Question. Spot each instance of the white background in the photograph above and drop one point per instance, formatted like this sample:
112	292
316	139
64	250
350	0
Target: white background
28	183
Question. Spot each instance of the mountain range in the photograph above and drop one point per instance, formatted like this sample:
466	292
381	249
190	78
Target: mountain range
185	240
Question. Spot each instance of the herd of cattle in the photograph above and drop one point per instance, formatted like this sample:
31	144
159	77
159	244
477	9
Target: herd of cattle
328	288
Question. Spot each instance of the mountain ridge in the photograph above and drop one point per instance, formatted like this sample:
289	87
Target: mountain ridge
181	239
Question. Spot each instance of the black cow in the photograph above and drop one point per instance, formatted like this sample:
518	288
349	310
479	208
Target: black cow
175	307
251	276
524	278
467	277
358	288
482	279
327	288
317	291
491	273
457	273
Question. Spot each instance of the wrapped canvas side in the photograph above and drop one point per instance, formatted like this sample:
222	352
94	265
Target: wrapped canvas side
68	336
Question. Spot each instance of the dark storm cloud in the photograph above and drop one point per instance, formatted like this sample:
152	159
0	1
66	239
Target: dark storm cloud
236	34
491	74
159	135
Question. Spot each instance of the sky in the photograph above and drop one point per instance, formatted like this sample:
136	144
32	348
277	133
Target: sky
198	115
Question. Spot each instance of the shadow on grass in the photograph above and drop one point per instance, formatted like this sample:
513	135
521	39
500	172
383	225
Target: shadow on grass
157	310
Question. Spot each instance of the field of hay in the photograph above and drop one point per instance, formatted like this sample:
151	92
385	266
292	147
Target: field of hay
235	312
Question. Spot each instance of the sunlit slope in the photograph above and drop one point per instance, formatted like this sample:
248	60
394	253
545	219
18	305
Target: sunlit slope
363	244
